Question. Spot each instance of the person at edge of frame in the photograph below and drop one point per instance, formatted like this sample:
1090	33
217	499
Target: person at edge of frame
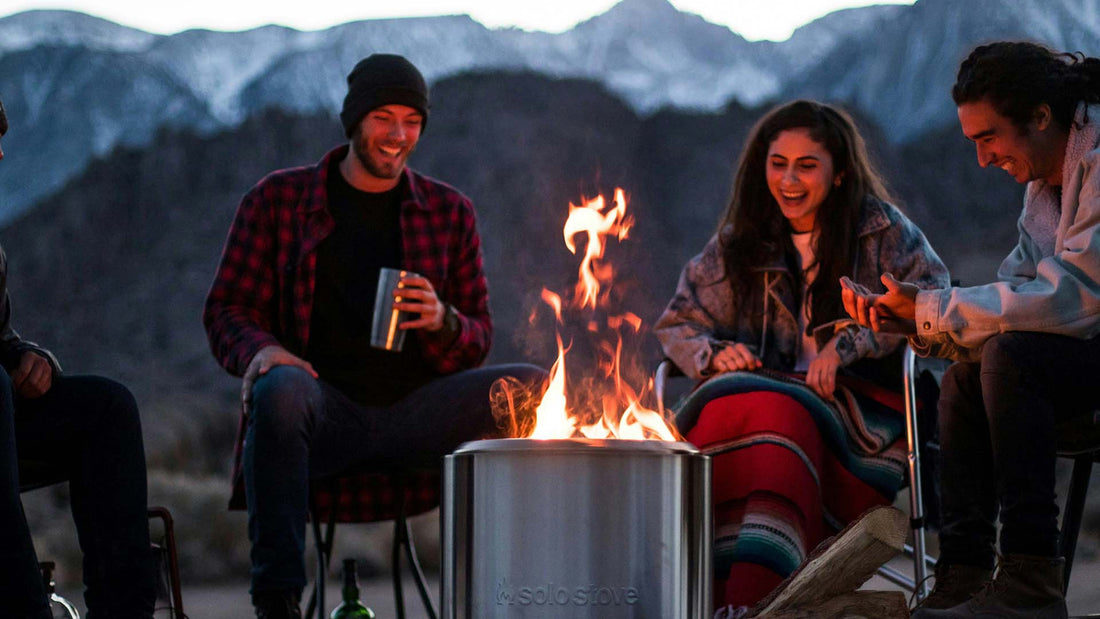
1024	346
87	430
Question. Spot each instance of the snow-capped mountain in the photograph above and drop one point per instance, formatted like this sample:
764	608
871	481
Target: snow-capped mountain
645	50
901	71
68	104
69	28
812	42
76	85
655	55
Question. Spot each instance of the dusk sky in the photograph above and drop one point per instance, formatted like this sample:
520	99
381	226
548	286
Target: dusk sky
773	20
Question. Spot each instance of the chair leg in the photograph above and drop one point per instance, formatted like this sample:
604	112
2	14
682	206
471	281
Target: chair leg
324	543
1075	507
319	582
173	558
398	481
916	500
395	566
402	536
319	587
418	573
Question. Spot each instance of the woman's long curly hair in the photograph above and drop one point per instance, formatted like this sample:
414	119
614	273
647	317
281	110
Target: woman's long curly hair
759	228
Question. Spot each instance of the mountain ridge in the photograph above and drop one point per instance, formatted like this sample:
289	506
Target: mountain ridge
895	63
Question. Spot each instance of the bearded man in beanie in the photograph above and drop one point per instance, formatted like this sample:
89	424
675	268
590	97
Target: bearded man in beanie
84	429
290	311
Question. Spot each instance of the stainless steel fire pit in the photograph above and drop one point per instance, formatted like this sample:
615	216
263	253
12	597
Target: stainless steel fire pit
576	528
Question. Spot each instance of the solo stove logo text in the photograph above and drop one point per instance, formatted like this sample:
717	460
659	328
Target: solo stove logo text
555	595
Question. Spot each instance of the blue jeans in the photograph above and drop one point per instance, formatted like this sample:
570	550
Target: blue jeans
998	442
301	428
88	431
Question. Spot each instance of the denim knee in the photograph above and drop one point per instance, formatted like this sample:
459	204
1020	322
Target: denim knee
284	399
1010	353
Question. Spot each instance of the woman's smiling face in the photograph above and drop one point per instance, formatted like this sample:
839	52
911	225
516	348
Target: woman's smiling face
800	176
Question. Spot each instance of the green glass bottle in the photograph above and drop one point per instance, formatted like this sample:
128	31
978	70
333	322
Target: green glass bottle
351	607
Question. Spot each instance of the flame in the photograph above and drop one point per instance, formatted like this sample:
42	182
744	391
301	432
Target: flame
553	301
551	420
612	408
629	318
589	218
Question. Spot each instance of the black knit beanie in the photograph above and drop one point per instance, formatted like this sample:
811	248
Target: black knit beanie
383	79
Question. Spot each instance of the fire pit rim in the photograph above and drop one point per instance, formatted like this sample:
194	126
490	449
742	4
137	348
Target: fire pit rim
577	445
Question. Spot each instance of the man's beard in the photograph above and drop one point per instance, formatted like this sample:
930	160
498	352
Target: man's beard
375	168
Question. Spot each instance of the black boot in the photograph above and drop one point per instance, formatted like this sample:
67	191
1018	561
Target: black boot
276	605
954	585
1025	586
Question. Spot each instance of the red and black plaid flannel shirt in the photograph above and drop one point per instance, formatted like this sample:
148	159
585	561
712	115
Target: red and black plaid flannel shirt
263	289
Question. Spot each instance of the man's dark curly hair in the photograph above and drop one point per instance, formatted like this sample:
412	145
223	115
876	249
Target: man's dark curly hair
1018	76
3	120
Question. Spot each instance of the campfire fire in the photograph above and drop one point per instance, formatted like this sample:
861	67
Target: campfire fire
611	408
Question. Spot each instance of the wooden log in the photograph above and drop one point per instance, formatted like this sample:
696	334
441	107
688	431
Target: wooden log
855	605
839	565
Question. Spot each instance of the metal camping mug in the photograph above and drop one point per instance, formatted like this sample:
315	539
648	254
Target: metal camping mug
384	330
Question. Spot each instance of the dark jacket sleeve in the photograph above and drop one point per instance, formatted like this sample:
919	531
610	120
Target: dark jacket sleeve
12	346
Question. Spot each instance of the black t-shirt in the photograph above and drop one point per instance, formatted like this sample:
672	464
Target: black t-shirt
366	237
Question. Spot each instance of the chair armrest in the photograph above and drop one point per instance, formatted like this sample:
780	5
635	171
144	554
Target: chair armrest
665	369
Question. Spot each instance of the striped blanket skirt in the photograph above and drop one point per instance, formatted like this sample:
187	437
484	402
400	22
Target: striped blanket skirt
789	469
